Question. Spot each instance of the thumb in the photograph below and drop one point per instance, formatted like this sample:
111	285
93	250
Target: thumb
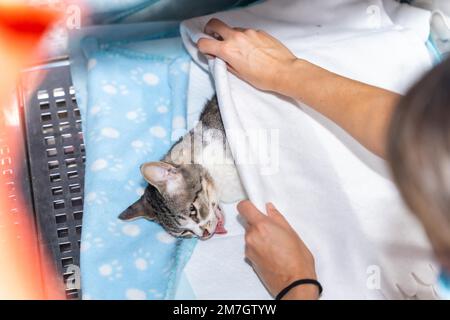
250	213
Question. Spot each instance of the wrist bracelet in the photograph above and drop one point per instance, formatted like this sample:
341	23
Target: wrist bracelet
299	283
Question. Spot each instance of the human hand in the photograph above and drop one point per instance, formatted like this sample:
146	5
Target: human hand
276	252
252	55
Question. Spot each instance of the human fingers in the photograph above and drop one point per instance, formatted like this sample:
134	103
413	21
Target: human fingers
216	27
249	212
273	212
210	47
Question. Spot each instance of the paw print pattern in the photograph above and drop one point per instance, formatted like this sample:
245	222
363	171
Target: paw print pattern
137	115
141	77
116	164
155	294
118	228
98	165
141	147
131	230
89	241
112	271
180	66
96	197
105	133
100	110
110	163
160	133
142	259
113	228
134	187
162	105
135	294
136	75
114	88
98	242
134	110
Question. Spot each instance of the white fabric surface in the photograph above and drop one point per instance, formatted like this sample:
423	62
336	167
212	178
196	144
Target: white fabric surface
336	194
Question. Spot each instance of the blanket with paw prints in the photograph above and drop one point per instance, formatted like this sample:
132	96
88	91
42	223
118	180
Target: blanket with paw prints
135	110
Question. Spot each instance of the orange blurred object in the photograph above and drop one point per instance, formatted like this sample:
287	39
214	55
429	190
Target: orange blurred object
22	264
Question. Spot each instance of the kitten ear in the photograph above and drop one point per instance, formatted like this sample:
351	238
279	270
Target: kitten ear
137	210
159	173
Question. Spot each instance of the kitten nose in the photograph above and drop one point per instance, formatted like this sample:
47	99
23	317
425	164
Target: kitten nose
205	229
206	233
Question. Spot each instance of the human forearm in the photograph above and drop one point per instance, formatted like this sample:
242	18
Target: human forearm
362	110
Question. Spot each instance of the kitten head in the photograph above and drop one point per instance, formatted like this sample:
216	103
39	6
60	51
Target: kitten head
182	198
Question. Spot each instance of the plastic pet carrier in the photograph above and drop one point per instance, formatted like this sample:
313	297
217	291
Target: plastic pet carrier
56	156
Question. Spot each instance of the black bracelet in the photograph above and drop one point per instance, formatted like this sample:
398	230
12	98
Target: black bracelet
299	283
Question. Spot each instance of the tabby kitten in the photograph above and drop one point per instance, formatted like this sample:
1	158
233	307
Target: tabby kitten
186	186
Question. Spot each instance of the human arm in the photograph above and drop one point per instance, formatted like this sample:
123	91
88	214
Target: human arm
364	111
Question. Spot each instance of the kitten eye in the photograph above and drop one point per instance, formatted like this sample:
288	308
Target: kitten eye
193	210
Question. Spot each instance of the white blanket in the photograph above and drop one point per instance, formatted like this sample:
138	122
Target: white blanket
335	193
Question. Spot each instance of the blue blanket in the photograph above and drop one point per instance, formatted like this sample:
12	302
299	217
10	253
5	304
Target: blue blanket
135	109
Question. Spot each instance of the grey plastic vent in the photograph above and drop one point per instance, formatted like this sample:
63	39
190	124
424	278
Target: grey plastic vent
56	159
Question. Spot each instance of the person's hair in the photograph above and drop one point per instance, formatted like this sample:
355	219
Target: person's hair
418	152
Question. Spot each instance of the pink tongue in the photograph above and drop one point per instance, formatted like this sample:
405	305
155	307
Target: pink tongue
220	228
